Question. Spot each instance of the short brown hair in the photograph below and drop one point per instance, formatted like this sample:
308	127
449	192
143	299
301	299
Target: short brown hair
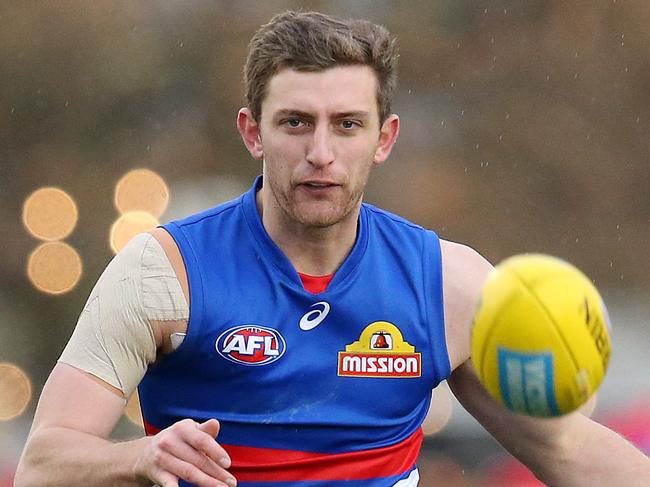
312	41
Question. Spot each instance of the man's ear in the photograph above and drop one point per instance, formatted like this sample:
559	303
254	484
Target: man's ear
387	137
249	130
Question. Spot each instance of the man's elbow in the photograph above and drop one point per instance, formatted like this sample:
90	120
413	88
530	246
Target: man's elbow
28	471
25	473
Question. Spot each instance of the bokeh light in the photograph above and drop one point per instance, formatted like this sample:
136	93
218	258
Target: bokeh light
142	190
50	214
128	226
54	267
133	411
439	411
15	391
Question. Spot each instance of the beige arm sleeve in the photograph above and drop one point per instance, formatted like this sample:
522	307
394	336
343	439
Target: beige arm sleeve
113	339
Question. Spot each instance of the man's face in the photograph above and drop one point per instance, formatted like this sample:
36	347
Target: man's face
320	133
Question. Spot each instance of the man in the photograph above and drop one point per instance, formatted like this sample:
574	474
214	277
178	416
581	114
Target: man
302	329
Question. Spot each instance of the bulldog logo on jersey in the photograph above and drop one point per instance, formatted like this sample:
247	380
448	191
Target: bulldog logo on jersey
381	351
251	345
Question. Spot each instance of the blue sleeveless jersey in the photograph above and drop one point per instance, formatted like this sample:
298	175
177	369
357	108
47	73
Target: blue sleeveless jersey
311	390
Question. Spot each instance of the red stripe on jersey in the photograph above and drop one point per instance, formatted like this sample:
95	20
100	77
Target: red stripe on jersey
315	284
253	464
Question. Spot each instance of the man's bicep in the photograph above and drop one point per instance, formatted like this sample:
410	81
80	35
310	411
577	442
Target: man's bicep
464	272
71	399
87	351
117	335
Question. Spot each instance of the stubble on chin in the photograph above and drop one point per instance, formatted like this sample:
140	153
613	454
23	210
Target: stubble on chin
315	214
326	214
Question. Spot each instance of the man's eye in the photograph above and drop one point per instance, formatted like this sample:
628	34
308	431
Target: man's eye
294	123
349	124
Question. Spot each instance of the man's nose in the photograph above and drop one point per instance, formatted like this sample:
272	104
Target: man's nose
320	151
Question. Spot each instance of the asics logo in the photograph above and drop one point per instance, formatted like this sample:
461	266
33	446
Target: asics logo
313	318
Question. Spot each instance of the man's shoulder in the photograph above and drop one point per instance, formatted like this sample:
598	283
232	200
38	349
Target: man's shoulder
464	271
462	264
460	253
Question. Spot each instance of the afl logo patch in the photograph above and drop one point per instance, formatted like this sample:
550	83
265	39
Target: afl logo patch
251	345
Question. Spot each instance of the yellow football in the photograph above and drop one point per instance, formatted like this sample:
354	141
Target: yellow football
540	338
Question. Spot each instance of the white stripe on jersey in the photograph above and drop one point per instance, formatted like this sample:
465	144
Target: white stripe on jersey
411	480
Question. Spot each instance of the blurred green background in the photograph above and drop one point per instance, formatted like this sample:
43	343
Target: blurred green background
524	129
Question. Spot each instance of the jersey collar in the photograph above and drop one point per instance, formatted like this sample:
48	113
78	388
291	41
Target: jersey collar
271	251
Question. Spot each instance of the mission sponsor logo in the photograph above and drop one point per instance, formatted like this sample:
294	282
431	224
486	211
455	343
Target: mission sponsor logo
381	351
251	345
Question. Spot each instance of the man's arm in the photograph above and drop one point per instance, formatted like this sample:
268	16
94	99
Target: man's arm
67	444
113	343
569	451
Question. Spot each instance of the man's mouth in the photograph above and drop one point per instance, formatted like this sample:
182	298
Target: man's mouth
318	185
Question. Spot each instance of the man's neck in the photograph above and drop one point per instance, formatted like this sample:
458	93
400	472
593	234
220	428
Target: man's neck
316	251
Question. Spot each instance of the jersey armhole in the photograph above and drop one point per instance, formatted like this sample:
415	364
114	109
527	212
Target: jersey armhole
434	295
193	273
